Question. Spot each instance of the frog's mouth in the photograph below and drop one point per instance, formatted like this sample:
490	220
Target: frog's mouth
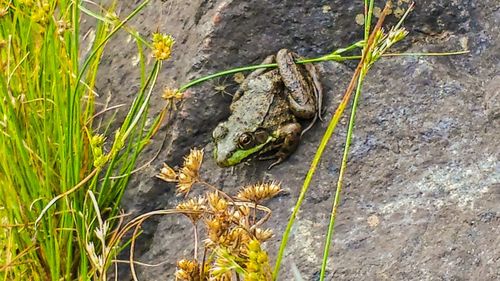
240	154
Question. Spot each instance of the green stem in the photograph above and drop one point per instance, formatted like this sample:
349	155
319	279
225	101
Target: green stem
222	73
368	17
312	169
106	39
305	187
257	66
343	167
334	56
317	156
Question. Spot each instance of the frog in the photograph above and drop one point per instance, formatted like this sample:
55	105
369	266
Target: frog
266	110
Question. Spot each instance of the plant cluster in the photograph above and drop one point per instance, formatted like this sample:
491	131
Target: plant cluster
233	226
63	168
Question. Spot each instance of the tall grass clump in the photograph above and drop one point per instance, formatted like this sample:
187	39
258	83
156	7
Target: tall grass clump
62	175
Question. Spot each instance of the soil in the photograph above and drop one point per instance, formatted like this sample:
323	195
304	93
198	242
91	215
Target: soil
421	199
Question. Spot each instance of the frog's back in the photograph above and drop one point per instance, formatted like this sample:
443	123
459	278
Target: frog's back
262	105
279	113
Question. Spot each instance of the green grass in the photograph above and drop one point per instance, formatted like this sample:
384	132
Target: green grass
61	175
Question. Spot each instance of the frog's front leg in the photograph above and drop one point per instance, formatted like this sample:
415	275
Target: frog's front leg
287	141
303	97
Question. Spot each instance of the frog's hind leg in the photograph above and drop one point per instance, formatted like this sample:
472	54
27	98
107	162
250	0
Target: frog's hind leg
300	96
318	89
287	142
318	94
254	74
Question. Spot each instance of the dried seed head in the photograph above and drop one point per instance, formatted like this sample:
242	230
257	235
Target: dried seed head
217	203
194	208
239	77
170	94
258	192
377	12
237	239
187	270
167	174
193	160
243	221
189	173
217	229
62	26
398	12
360	19
241	213
186	179
263	234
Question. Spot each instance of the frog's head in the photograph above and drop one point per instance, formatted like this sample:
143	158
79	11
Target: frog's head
232	145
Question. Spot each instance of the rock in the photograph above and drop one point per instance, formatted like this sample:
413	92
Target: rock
424	158
492	99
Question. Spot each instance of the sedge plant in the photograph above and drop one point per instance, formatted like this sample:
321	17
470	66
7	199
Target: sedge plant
232	226
62	176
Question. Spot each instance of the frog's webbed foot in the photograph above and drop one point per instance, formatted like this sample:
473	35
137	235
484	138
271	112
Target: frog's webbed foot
254	74
288	138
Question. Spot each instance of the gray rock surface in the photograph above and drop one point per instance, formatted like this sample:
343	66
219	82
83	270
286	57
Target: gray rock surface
422	190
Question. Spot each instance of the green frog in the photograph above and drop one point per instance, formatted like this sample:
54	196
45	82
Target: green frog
265	112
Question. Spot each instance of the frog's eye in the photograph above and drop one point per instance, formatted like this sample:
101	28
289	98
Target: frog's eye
245	141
